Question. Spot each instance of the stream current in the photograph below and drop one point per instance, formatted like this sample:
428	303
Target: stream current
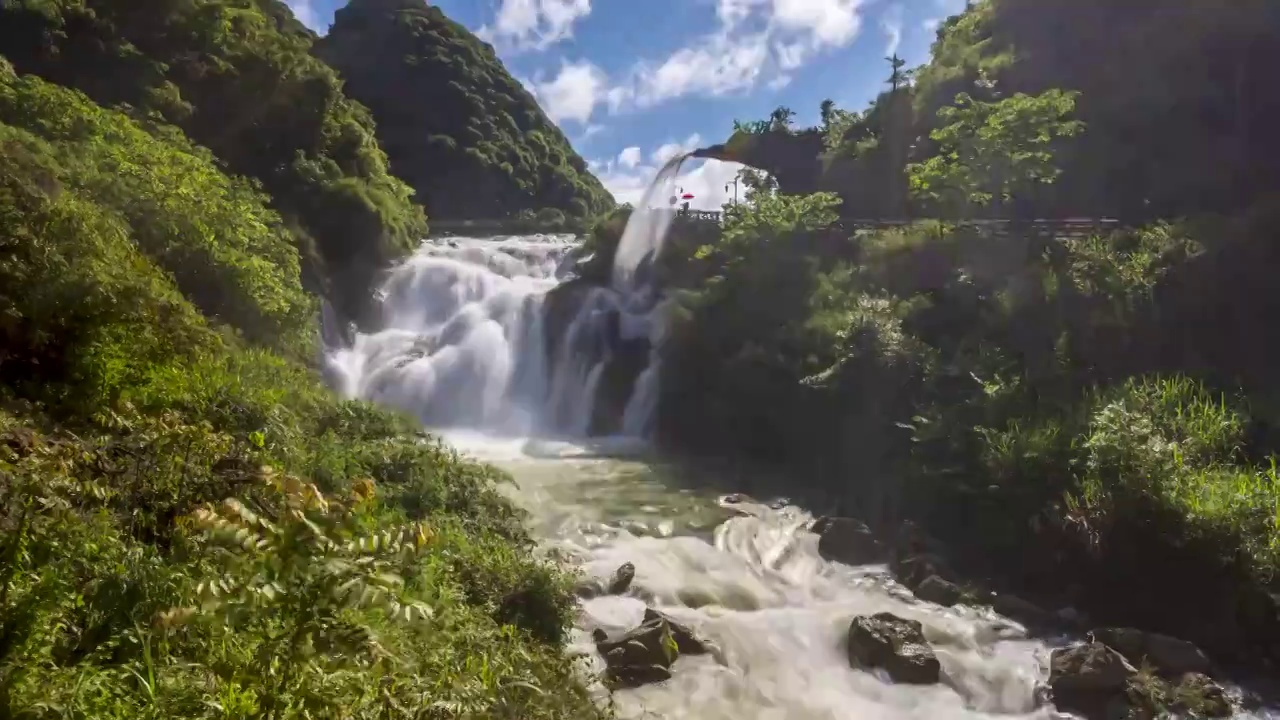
463	347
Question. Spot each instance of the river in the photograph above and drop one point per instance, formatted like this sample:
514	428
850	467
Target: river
462	348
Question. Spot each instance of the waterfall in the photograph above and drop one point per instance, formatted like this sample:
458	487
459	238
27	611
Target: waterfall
494	334
646	230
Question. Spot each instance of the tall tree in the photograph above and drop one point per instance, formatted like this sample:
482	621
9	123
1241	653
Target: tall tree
992	152
898	77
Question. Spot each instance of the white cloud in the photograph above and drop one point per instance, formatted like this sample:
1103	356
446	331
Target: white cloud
574	92
305	11
756	42
669	150
534	24
629	157
721	66
891	24
826	22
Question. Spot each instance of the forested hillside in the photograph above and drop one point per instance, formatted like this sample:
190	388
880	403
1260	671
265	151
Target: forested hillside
1088	417
237	77
1177	98
459	128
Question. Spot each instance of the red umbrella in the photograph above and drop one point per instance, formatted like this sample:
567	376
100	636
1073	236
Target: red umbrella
687	196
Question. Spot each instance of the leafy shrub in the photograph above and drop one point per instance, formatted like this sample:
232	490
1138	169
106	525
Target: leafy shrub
228	253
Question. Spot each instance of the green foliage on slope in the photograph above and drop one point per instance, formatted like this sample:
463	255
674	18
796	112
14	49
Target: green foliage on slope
458	127
1150	76
1090	415
238	77
191	525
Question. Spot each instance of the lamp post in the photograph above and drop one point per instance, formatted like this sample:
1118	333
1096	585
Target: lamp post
733	184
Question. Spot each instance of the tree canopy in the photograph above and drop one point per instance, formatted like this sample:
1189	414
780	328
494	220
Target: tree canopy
237	76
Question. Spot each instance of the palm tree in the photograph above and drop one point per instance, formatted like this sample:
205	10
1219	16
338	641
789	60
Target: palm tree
898	78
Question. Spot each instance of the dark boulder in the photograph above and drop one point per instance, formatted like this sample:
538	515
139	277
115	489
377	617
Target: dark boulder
1096	682
942	592
621	580
1016	608
1196	695
848	541
618	584
624	362
686	642
1169	656
913	570
638	657
895	645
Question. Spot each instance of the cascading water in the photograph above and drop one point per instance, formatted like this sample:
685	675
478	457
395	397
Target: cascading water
464	347
466	330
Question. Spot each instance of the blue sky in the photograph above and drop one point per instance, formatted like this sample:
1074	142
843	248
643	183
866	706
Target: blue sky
632	82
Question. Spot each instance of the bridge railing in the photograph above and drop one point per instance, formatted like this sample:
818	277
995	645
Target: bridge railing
1059	226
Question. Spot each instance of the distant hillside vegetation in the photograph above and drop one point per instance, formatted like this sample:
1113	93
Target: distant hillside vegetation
458	127
238	77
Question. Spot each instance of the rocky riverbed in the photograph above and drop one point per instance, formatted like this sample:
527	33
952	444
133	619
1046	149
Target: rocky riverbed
695	605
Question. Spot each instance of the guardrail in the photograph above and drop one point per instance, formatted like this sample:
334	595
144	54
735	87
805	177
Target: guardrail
1059	226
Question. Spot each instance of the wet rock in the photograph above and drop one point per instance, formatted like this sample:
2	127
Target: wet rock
621	580
744	505
638	657
625	361
1169	656
1094	681
618	584
1012	606
913	570
942	592
847	541
1197	695
633	676
895	645
912	540
686	642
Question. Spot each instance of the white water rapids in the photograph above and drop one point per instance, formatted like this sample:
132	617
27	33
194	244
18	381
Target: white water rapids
463	349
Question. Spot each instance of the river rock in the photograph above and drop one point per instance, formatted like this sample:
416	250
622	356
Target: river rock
638	657
618	584
1196	695
686	642
1095	681
942	592
621	580
913	570
848	541
1024	611
896	645
1169	656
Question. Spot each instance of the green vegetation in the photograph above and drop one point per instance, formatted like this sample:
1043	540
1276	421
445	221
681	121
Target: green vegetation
1153	147
191	525
238	78
1088	416
468	137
